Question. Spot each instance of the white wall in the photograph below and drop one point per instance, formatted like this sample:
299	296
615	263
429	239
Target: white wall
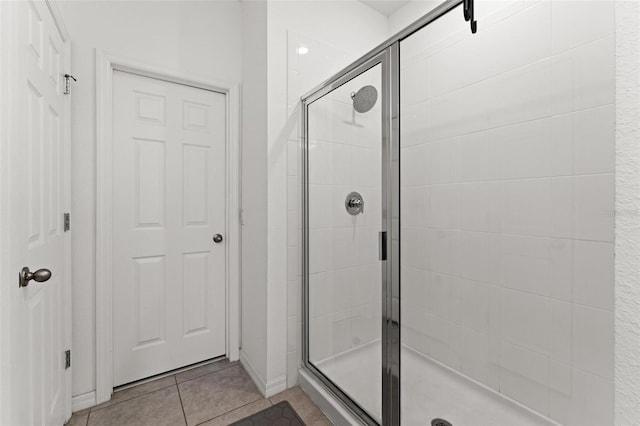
199	38
271	280
348	27
507	202
205	38
5	275
254	188
171	36
627	306
627	193
336	33
409	13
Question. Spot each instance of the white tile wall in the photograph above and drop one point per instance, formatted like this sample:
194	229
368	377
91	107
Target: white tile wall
571	27
507	173
593	207
593	274
344	156
593	341
507	203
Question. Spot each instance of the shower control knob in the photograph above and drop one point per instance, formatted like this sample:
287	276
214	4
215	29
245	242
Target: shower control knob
354	203
217	238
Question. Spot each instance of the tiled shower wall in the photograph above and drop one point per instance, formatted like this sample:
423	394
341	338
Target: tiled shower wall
345	273
305	71
507	203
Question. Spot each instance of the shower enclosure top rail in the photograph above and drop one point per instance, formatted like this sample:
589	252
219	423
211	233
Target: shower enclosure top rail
435	13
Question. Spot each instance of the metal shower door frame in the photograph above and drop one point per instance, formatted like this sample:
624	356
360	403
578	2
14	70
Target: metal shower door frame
388	55
384	59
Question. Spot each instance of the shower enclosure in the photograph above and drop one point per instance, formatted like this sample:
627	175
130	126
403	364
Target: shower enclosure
457	220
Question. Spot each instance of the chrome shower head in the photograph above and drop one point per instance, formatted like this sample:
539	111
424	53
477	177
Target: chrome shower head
364	99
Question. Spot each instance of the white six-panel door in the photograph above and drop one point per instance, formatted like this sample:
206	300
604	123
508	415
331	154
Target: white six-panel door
38	194
168	203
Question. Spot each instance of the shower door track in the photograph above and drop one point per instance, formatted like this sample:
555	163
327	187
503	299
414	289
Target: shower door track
388	55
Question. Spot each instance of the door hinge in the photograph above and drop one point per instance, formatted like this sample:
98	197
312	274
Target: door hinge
67	359
67	83
67	222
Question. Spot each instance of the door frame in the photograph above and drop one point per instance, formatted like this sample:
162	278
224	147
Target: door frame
8	54
106	64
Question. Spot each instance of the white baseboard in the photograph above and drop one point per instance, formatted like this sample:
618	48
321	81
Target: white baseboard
266	389
276	385
80	402
262	387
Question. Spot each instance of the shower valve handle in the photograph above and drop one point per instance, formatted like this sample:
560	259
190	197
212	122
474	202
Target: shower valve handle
357	204
354	203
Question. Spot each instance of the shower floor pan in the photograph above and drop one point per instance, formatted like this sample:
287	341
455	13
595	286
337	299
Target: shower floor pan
429	391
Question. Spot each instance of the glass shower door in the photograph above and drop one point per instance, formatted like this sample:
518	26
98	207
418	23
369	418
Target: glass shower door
344	273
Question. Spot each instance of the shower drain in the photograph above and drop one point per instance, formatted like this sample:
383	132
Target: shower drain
440	422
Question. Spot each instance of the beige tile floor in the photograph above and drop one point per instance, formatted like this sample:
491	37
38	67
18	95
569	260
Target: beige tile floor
214	394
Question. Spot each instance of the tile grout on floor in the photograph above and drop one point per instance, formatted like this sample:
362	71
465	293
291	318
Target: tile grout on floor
181	404
259	403
175	383
231	364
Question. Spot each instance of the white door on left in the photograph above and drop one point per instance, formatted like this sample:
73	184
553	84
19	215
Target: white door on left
37	193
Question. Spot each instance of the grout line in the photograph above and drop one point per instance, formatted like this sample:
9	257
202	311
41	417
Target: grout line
95	408
184	415
517	68
516	290
167	374
494	181
231	364
493	234
497	127
88	415
274	402
231	411
175	383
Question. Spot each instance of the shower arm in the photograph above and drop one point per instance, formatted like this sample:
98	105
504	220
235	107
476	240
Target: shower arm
469	15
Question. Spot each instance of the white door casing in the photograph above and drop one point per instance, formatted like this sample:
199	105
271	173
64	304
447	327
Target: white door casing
106	65
168	202
37	177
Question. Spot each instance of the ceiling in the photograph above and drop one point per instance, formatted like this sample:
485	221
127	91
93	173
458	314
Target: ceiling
386	7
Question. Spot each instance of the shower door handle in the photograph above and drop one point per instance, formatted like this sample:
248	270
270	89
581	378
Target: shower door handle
382	245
